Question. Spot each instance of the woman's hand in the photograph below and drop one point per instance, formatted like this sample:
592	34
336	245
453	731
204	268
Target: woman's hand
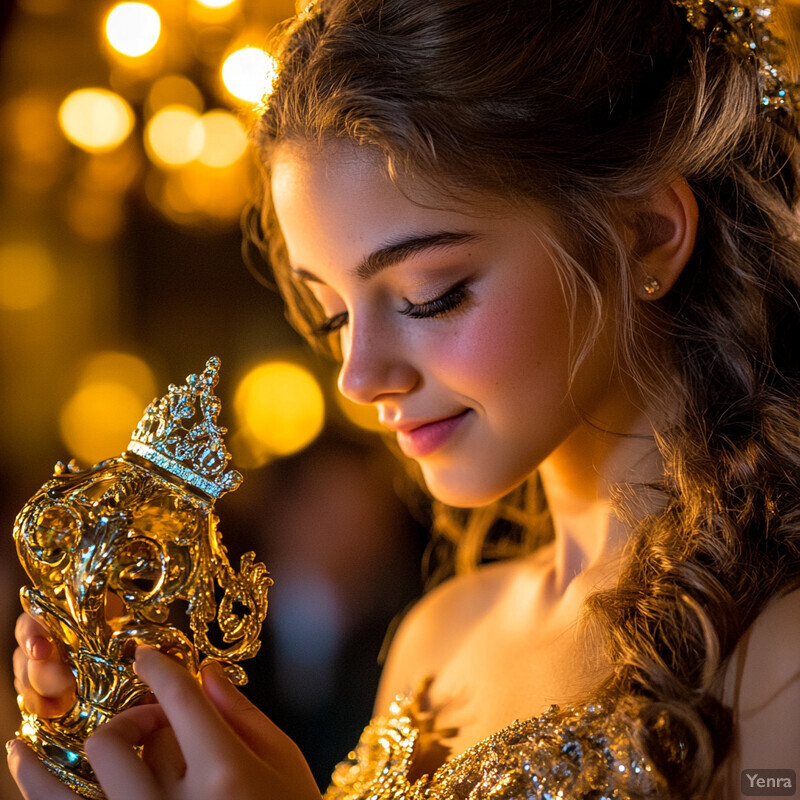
198	743
41	676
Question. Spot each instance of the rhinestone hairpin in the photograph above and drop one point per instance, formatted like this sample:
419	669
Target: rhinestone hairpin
186	441
746	29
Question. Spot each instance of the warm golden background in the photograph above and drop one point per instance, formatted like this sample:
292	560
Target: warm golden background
125	169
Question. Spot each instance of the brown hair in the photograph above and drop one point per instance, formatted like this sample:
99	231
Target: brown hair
587	107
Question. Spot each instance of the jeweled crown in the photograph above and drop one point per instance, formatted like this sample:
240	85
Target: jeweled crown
179	433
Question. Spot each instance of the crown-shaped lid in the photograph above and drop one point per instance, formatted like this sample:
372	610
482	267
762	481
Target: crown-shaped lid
183	438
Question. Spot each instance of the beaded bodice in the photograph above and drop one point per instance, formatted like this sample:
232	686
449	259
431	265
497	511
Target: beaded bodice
577	753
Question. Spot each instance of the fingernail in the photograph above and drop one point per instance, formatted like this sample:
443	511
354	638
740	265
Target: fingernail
214	668
217	669
140	650
39	648
11	746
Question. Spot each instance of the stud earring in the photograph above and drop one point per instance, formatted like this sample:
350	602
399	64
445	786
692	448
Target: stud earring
651	285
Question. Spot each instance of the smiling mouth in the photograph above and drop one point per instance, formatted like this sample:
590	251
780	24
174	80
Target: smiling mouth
425	439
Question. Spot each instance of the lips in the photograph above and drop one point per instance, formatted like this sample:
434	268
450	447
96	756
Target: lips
424	439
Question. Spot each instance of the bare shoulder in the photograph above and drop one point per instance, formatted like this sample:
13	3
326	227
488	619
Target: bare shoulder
436	626
767	657
762	686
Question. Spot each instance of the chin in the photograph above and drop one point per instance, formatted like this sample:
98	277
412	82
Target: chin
467	491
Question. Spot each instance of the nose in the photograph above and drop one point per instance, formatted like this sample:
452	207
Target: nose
375	364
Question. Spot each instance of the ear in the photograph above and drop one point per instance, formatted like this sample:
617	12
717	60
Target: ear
665	239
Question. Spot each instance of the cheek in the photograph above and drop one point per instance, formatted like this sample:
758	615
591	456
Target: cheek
514	341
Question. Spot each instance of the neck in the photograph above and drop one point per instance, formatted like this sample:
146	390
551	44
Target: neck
578	480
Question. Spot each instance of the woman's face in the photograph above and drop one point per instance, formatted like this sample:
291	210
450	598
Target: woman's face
453	323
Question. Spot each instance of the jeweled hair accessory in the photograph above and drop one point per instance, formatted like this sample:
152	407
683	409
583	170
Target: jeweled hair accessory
128	553
745	27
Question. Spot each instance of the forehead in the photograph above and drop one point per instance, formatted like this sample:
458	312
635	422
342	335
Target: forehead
333	186
335	201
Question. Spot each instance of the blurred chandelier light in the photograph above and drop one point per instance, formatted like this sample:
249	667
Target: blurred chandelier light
97	120
225	140
174	90
133	28
174	136
249	74
105	405
280	406
198	171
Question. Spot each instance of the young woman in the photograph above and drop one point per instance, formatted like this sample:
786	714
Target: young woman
554	243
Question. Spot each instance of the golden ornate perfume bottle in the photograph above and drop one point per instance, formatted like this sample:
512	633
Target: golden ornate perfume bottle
127	553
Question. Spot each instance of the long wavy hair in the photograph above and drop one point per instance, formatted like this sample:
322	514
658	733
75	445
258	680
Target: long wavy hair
588	107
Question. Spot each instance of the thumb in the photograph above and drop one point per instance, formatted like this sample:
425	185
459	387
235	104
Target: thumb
252	726
34	780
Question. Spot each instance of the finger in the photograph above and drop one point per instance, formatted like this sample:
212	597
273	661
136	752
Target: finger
198	726
27	629
51	678
38	663
112	754
163	756
20	663
32	777
32	700
255	729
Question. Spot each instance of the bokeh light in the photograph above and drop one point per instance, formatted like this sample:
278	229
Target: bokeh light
27	276
37	147
249	74
280	407
31	122
174	136
225	140
133	28
208	14
115	365
174	90
96	120
97	421
197	195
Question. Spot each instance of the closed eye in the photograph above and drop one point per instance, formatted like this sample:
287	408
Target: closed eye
446	303
332	324
449	301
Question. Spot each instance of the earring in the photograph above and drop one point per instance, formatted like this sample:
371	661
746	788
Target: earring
651	285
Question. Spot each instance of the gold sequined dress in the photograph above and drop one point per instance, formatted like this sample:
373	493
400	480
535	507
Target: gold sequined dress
577	753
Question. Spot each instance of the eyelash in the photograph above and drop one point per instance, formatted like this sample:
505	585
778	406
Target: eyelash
446	303
452	299
332	324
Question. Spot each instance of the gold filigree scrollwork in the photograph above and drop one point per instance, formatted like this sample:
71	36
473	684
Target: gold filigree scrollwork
128	553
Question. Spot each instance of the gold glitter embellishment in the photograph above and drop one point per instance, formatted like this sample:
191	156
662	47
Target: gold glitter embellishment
579	752
745	28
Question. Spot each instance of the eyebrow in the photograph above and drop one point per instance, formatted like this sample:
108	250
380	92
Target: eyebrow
399	250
